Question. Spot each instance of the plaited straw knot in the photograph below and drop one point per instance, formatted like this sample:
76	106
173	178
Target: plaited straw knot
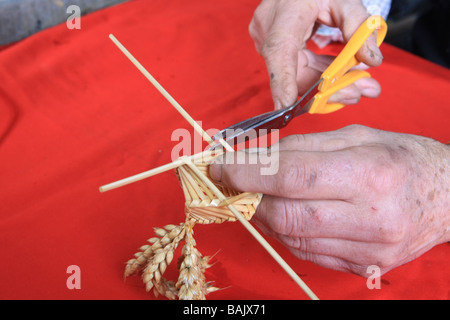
202	205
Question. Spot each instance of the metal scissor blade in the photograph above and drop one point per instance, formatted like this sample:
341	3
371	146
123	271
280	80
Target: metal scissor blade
260	125
251	128
266	119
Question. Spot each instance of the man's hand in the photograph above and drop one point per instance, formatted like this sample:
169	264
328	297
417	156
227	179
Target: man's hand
280	30
351	198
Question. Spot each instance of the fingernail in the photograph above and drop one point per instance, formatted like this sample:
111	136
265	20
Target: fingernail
375	52
215	169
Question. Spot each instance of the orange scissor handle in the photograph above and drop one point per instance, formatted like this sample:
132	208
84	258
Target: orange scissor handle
336	76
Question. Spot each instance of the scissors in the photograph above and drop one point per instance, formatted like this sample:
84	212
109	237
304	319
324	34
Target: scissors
315	100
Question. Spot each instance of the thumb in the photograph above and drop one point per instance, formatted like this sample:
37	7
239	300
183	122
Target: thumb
349	15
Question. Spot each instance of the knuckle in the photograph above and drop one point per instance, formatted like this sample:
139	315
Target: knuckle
379	171
388	260
255	28
252	30
380	177
290	177
391	231
279	218
278	42
290	142
387	169
293	220
359	130
385	259
314	218
360	270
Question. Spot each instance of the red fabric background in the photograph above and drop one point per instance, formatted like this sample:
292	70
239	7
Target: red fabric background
76	114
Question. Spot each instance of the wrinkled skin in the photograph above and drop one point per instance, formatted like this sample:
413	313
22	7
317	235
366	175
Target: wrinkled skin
280	30
351	198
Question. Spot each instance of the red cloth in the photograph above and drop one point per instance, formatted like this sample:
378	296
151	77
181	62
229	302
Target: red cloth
76	114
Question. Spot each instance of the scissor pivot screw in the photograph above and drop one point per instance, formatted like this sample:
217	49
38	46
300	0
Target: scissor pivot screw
287	117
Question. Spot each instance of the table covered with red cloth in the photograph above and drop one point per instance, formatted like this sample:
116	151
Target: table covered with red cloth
75	114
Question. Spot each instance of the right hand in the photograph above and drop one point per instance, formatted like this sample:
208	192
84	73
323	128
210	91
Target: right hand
280	30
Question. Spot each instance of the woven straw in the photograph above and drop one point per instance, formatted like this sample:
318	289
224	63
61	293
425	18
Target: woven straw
202	206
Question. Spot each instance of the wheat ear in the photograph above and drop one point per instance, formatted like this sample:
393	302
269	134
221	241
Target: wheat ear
191	281
152	275
156	257
141	258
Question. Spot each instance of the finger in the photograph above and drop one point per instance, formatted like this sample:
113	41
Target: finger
281	60
321	141
369	87
310	68
369	53
319	250
350	136
294	174
347	256
365	87
357	253
296	219
348	96
282	49
338	254
331	262
317	64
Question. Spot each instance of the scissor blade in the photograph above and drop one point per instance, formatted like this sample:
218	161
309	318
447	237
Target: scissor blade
248	125
262	124
250	129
